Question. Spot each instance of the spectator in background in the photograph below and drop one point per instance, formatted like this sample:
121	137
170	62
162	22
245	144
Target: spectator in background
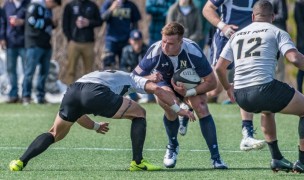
80	17
158	10
12	39
132	55
38	30
206	26
121	16
280	18
299	18
185	13
134	52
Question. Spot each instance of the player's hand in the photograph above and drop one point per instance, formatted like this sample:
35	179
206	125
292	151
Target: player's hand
229	30
155	77
104	127
230	93
180	89
189	114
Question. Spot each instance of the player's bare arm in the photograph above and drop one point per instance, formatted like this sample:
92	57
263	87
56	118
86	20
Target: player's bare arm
296	58
209	12
168	99
221	70
86	122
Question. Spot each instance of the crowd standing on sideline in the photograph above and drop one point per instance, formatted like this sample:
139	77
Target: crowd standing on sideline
178	33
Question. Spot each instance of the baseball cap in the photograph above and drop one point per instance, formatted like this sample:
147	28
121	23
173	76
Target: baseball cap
136	34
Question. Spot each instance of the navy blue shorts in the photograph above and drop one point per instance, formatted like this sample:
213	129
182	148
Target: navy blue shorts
273	97
89	98
218	44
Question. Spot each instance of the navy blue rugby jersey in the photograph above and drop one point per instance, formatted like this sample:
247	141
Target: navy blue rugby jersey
190	56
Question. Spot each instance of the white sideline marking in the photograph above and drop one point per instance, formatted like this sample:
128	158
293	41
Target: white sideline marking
118	149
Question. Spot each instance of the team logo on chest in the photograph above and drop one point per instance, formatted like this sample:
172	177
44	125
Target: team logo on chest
183	64
165	64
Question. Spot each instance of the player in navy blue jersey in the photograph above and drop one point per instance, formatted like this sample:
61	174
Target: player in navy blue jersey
101	93
235	15
160	62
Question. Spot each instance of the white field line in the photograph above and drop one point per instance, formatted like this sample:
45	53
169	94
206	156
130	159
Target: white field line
118	149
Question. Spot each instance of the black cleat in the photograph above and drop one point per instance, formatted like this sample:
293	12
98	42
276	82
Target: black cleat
298	167
281	165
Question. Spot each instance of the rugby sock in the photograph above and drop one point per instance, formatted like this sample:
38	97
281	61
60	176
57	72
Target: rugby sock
301	156
38	146
249	126
172	130
274	150
138	136
209	132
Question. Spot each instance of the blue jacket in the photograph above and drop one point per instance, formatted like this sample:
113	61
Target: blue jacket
14	36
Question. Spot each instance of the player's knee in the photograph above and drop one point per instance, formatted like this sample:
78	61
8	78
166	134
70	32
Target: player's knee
140	112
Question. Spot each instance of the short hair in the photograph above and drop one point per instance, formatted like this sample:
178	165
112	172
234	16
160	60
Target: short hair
173	28
263	8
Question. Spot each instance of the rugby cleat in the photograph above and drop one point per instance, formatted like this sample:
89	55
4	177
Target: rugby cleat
250	143
281	165
143	166
183	124
16	165
218	163
171	156
298	167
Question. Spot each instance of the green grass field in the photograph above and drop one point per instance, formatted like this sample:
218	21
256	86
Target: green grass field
83	154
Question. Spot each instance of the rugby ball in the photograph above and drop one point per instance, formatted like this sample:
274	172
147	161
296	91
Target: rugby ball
187	76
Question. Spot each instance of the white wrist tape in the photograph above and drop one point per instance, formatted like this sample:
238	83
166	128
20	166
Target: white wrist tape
190	92
96	126
227	33
221	25
175	108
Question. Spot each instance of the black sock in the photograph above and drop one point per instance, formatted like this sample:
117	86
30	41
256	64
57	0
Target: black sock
172	130
274	150
249	126
209	132
301	156
38	146
138	136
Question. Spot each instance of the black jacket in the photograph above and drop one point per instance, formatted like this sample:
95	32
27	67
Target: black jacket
38	26
86	9
280	13
299	18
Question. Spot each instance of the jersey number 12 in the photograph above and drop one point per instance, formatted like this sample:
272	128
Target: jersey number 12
256	42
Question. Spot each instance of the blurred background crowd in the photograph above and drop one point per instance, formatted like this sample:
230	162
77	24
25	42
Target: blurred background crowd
80	36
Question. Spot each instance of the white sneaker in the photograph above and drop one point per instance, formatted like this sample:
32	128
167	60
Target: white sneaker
171	156
250	143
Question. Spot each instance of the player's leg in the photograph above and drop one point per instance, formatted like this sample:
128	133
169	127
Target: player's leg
295	107
268	125
183	120
248	142
171	123
58	131
132	110
208	129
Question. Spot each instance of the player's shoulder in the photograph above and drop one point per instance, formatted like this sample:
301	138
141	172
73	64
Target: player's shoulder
191	47
154	50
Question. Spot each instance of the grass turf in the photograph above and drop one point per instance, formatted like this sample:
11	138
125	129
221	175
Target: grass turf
83	154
